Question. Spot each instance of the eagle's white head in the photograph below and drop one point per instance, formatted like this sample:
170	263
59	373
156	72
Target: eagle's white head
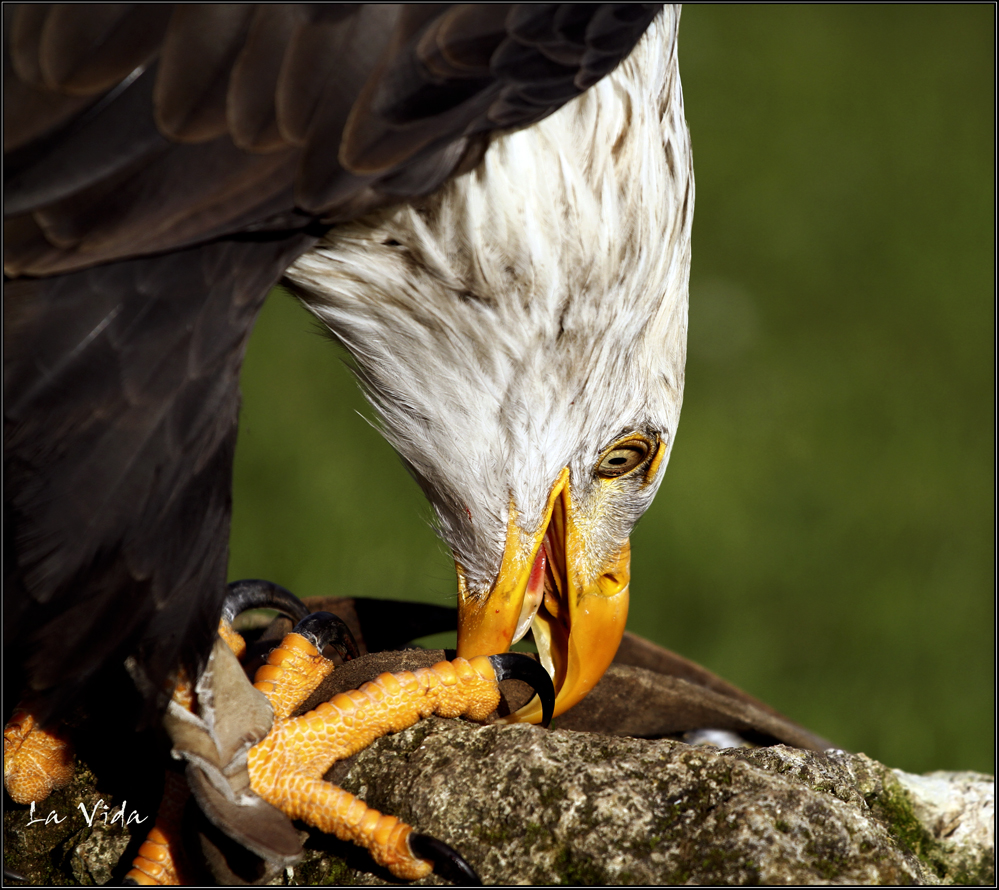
522	336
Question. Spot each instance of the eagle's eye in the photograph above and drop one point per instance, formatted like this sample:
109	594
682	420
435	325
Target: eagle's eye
623	457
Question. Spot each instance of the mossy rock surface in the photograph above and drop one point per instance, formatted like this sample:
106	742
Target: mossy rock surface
561	807
80	835
578	808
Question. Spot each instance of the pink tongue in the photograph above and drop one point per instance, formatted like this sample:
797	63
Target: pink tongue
537	579
532	596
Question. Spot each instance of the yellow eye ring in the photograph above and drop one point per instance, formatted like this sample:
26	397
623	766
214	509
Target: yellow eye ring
624	456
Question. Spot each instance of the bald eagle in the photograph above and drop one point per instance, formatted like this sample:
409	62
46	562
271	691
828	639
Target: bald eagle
488	206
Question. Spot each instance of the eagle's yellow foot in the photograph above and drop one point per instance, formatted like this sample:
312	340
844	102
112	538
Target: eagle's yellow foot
296	667
36	761
233	638
287	767
158	860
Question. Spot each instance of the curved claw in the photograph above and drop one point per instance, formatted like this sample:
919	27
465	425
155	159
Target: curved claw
10	875
256	594
448	863
326	629
515	666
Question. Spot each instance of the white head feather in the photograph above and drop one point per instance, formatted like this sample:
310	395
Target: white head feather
530	312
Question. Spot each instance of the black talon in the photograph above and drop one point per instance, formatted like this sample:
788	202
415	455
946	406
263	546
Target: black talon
256	594
448	863
326	629
10	875
515	666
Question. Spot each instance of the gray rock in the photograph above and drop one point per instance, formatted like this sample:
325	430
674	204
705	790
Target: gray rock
958	812
528	806
57	843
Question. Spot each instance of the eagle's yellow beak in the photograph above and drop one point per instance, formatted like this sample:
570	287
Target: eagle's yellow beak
578	611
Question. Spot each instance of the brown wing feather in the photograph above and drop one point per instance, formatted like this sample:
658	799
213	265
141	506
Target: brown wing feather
88	49
91	152
30	113
316	60
120	424
23	41
252	99
168	164
153	209
201	47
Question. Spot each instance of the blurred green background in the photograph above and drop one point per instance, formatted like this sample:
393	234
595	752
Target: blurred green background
825	535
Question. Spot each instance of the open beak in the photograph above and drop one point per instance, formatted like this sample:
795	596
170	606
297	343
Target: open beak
547	582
